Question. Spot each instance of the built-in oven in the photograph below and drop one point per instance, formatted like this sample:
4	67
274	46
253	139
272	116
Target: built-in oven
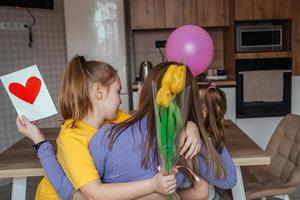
263	87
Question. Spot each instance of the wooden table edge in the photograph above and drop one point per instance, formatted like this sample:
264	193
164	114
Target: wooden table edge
10	173
265	160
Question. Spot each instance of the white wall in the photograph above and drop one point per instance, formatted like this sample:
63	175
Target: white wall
259	130
296	95
95	29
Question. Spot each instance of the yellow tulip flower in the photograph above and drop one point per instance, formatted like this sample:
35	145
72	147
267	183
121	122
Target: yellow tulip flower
168	75
178	79
164	96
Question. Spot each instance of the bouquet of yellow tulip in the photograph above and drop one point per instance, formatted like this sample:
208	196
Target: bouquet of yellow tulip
168	116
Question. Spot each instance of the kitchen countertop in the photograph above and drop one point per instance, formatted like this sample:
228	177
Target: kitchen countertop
220	83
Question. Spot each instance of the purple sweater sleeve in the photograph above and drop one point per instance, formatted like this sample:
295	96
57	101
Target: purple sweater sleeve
208	174
54	172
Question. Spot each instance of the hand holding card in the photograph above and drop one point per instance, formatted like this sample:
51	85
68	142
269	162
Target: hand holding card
28	93
30	130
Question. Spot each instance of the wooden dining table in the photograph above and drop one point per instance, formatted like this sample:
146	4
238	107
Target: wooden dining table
19	161
244	152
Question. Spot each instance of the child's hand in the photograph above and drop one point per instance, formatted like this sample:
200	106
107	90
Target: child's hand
190	140
164	184
28	129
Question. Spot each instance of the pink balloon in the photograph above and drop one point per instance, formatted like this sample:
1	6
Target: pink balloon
191	45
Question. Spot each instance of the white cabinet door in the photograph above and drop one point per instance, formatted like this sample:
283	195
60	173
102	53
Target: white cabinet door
231	108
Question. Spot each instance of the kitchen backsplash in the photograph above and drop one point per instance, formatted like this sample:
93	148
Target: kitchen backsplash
144	47
48	52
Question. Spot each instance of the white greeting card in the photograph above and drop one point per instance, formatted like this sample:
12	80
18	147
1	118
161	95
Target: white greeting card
29	94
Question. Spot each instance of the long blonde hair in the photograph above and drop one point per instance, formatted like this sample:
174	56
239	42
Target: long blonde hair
74	100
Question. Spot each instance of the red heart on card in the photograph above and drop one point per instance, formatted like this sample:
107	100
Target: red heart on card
27	93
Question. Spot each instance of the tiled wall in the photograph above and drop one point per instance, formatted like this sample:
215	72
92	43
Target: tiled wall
48	52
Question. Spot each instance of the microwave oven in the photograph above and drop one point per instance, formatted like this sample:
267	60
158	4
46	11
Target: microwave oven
266	37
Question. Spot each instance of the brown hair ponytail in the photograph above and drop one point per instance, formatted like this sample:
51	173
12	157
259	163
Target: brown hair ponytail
215	103
74	101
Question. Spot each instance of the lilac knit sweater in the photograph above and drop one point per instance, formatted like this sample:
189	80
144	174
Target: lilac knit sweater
123	162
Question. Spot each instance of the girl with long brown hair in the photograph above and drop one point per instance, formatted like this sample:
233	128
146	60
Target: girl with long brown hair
214	162
213	107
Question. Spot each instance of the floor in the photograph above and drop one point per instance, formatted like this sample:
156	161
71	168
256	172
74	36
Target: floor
5	191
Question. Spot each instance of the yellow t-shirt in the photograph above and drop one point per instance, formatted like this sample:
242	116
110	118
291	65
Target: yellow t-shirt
74	157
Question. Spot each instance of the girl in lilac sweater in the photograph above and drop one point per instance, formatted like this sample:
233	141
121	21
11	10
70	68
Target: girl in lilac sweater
128	152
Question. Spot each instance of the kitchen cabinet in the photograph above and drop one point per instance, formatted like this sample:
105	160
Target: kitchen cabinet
262	9
147	14
180	12
213	13
296	38
156	14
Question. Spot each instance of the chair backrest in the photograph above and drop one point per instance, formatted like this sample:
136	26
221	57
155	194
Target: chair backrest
284	148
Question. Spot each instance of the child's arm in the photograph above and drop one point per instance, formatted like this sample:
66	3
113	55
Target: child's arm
198	191
52	168
209	175
54	172
95	190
